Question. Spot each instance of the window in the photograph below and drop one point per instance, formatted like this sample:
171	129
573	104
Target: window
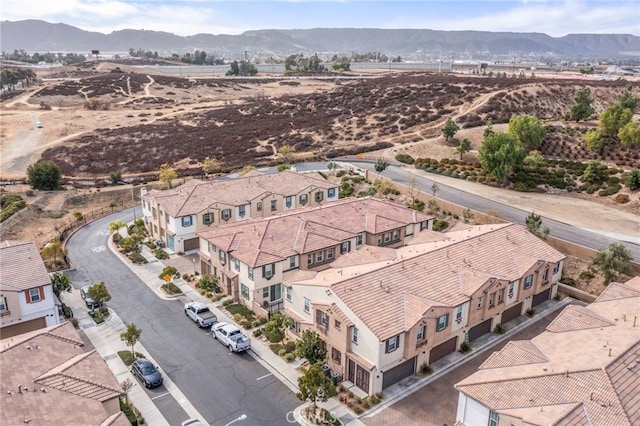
319	256
424	225
288	201
265	293
392	344
319	196
236	263
337	324
359	240
3	305
479	302
267	270
292	262
500	296
306	305
354	335
187	221
276	292
274	205
331	193
166	218
226	214
295	326
207	218
34	295
336	356
289	291
443	321
421	333
259	207
330	252
309	259
396	235
387	237
492	300
212	248
459	313
322	319
545	275
556	268
242	211
154	212
493	418
303	199
528	282
250	273
512	286
344	247
244	290
222	256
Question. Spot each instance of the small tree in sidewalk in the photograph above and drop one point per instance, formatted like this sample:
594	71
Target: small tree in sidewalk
131	336
315	386
311	347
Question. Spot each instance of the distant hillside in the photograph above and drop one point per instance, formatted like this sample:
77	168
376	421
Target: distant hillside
41	36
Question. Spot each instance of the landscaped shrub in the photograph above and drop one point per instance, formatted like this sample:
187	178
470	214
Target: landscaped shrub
257	332
610	190
464	347
440	225
499	329
621	198
159	253
405	158
289	357
171	288
425	369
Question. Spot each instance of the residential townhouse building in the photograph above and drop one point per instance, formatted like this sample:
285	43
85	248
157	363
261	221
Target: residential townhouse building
584	369
27	301
175	216
384	312
252	258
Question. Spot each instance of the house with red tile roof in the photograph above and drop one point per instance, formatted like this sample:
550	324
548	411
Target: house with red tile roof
584	369
385	311
48	377
175	216
27	301
252	258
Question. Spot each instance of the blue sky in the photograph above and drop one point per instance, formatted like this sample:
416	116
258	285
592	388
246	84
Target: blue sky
188	17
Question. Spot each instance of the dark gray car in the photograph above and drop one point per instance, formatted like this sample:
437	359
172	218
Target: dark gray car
146	372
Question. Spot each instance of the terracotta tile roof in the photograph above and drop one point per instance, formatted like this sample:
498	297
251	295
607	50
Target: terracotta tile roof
341	315
577	318
48	378
518	352
363	362
195	196
549	414
292	314
592	359
265	240
444	272
21	266
616	291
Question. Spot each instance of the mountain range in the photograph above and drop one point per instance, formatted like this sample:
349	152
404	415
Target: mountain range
41	36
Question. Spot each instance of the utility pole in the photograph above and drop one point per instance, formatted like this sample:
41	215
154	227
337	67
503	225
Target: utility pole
133	201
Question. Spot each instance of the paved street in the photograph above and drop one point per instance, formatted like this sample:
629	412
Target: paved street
220	385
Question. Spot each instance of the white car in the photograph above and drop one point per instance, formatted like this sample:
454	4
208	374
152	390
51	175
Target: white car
39	125
230	336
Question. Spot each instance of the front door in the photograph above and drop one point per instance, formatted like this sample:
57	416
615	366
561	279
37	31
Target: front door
170	243
351	371
362	378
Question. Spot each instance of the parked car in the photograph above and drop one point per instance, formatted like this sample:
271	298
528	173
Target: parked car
84	293
38	125
230	336
200	313
146	372
192	422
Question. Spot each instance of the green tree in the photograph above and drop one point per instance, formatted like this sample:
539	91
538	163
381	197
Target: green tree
627	100
311	347
60	282
463	147
534	158
581	108
115	177
286	153
632	179
169	271
208	283
54	251
131	336
534	225
210	165
99	293
315	386
595	142
629	134
115	226
595	172
381	165
612	119
45	175
274	330
488	128
234	68
528	130
612	261
449	129
167	174
500	154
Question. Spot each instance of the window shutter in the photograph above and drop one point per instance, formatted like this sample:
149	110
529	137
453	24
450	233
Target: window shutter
264	274
386	346
318	318
41	290
28	296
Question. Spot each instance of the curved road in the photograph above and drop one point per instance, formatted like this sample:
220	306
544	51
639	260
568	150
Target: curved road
220	385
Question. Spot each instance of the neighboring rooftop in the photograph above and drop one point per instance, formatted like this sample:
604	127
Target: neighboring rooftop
21	266
583	369
265	240
49	378
446	270
195	196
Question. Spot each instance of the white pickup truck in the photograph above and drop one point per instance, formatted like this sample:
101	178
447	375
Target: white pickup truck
200	314
230	336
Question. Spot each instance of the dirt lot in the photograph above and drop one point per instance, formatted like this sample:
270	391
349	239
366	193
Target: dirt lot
143	120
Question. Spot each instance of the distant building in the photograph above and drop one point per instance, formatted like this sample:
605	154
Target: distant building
49	378
584	369
27	301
